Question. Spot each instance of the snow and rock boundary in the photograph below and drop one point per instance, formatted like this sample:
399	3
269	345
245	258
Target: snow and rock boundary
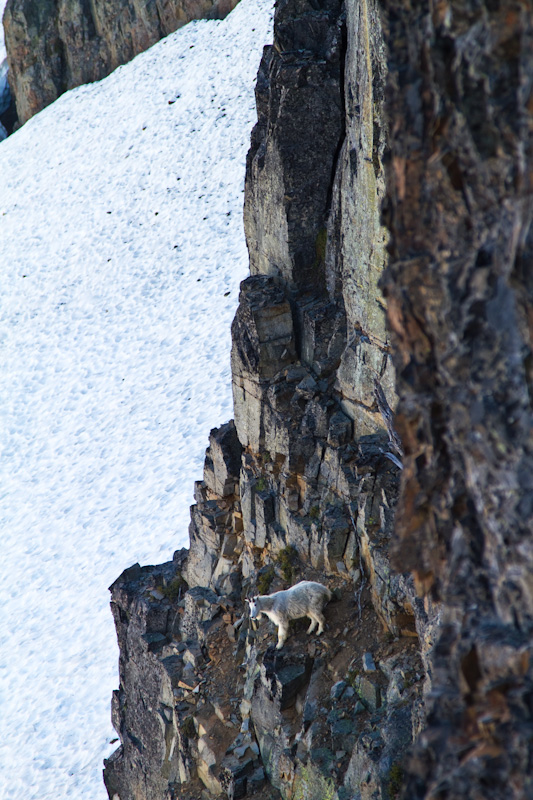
122	251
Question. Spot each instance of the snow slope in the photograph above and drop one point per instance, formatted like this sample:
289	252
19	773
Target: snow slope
121	252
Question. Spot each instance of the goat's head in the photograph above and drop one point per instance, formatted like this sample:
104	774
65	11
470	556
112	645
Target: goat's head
252	606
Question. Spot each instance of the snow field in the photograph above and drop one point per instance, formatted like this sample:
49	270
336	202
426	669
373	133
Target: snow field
121	252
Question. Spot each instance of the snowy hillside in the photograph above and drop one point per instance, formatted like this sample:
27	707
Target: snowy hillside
121	253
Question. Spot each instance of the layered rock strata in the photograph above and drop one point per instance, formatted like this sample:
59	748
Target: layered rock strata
53	46
300	485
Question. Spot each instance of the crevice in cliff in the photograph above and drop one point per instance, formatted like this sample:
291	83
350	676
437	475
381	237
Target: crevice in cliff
343	36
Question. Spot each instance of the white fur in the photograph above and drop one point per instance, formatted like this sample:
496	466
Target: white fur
305	599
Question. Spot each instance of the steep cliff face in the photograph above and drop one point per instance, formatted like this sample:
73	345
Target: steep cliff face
300	485
53	46
391	152
459	295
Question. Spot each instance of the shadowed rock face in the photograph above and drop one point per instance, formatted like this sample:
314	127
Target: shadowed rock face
459	298
294	146
54	45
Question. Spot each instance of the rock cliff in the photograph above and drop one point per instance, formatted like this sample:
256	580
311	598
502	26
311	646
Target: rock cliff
392	153
459	295
54	45
299	485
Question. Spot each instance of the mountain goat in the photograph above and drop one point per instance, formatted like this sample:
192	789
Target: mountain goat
305	599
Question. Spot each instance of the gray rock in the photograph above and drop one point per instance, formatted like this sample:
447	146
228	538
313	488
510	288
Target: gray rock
369	693
299	100
263	343
368	663
337	690
223	460
192	654
358	708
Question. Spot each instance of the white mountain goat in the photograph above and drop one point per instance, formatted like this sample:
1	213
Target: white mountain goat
305	599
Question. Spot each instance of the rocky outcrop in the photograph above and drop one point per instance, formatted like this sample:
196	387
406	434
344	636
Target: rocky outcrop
299	485
54	46
384	156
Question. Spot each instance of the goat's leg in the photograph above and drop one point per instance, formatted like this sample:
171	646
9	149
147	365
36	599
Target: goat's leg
313	624
321	623
283	631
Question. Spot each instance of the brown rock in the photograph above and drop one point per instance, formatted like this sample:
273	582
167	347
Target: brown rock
54	46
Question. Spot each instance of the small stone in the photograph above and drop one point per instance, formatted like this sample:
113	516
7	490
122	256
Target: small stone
236	743
368	663
358	708
222	712
369	694
337	689
193	655
309	713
